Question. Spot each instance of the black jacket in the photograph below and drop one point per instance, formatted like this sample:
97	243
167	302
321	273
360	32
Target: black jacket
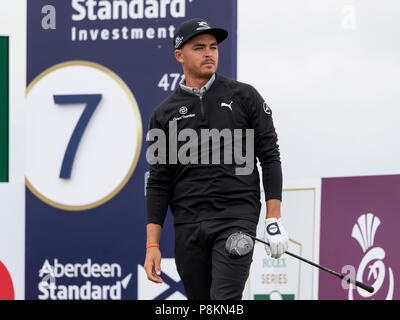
201	191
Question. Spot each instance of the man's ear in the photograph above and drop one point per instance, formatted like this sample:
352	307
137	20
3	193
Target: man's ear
179	56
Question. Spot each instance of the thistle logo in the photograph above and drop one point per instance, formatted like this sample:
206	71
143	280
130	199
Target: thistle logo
364	232
50	287
6	284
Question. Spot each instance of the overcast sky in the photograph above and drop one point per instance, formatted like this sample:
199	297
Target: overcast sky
330	71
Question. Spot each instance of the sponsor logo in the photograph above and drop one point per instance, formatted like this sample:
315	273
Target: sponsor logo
203	25
273	229
274	263
274	295
223	104
183	117
124	10
183	110
98	13
170	288
266	108
90	285
372	264
178	41
146	178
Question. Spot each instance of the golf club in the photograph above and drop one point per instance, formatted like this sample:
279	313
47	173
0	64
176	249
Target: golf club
240	244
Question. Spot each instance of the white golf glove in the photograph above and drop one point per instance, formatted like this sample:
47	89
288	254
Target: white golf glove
275	234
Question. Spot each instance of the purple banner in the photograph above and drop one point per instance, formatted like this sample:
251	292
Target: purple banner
359	231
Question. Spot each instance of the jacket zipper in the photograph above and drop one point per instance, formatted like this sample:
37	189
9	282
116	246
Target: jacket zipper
202	107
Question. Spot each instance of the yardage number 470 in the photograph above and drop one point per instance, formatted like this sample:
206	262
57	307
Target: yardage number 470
170	81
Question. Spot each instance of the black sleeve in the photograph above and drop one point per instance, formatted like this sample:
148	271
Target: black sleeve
265	144
158	188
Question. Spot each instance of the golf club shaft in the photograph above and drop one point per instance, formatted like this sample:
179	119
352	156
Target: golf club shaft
341	276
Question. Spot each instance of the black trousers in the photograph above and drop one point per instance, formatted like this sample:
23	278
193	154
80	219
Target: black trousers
203	264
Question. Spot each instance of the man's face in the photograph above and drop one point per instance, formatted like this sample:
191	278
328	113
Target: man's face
199	56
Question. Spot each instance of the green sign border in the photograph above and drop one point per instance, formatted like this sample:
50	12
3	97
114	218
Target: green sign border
4	108
267	297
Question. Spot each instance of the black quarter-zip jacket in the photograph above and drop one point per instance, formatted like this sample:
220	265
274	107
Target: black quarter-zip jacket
199	191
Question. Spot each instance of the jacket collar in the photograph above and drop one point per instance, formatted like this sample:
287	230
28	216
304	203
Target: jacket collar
195	91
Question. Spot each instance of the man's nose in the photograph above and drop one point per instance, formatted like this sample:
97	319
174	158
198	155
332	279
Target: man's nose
207	52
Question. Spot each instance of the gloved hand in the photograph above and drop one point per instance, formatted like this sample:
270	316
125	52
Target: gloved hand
275	234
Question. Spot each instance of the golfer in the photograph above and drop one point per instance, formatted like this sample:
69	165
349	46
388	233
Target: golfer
210	201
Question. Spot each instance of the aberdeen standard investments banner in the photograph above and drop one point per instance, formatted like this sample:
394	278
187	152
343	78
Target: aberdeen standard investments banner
96	71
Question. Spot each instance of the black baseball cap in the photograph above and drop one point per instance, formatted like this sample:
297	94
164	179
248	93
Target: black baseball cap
194	27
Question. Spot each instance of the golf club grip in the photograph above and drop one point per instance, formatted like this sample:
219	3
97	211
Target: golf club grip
359	284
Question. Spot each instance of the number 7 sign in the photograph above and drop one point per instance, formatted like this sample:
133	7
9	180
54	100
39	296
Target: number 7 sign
92	101
76	160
